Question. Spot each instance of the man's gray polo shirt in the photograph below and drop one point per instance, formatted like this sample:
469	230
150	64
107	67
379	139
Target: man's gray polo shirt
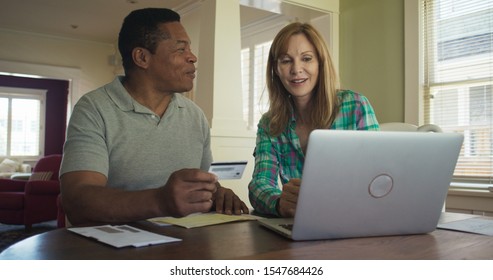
111	133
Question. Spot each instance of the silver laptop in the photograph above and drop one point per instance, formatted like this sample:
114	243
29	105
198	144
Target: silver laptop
368	183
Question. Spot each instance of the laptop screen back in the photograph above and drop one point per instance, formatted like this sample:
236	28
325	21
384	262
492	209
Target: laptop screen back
362	183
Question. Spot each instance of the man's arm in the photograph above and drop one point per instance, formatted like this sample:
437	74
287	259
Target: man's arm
87	199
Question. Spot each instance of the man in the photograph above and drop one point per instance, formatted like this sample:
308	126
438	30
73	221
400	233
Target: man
135	148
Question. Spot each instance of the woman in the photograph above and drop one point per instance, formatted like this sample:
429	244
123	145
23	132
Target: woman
303	96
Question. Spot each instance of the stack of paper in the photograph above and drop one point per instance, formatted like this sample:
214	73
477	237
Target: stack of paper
202	219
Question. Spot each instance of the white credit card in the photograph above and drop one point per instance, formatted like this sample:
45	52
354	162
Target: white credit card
227	170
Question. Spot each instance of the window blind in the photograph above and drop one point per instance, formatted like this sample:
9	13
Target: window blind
457	79
21	121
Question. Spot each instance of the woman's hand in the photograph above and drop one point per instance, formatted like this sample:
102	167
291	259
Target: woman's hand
289	198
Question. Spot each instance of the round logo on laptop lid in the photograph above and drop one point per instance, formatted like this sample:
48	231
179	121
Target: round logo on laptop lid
381	186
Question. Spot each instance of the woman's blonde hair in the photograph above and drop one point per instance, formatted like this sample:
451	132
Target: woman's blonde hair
324	98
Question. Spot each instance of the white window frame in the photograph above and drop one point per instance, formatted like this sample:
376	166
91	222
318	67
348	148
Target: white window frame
27	93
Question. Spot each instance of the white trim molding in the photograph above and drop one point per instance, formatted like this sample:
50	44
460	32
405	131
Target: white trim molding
48	71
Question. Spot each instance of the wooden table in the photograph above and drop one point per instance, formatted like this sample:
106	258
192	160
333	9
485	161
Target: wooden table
248	240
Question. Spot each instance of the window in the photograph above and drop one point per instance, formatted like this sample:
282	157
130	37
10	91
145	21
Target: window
255	96
458	79
21	121
256	39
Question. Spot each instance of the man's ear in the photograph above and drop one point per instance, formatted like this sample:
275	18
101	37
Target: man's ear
140	57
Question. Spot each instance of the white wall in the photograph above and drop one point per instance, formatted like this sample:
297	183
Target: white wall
89	59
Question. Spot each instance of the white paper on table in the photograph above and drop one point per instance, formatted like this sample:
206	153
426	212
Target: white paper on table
474	225
123	235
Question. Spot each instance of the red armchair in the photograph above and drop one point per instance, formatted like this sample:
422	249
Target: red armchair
33	201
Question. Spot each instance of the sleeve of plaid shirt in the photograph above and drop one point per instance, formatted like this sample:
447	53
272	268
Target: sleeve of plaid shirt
367	120
355	113
263	190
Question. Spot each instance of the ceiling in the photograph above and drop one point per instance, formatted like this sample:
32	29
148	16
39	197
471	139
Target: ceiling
94	20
